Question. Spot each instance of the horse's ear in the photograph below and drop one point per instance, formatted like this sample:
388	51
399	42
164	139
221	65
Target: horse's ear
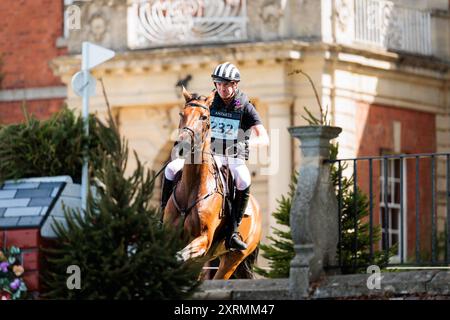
210	98
186	94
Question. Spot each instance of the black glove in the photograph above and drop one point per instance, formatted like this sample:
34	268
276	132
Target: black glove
239	150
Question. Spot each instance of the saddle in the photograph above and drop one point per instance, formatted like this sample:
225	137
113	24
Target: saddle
226	186
228	189
228	182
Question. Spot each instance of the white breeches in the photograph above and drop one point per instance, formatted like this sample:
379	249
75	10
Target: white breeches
238	168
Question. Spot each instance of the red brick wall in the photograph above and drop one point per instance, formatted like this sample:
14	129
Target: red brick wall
28	34
28	240
374	126
11	112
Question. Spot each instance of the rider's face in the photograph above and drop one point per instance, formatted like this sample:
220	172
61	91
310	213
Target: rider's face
226	89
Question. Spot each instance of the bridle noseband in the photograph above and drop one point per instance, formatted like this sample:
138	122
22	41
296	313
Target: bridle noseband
192	132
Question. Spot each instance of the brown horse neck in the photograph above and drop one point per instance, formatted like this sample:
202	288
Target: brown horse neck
197	175
194	175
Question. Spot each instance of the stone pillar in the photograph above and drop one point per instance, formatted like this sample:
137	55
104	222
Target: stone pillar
314	216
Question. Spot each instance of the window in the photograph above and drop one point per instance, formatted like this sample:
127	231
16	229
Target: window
394	219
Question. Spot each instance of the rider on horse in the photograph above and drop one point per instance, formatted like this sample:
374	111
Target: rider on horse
229	107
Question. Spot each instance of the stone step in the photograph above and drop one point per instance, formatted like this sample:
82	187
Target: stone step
424	284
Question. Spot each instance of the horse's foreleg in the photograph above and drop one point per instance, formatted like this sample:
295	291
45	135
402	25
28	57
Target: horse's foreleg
228	264
196	248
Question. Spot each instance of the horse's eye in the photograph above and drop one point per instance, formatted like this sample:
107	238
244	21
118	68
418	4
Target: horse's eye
181	114
203	118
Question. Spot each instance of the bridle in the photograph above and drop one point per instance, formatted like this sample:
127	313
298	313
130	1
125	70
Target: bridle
192	132
185	211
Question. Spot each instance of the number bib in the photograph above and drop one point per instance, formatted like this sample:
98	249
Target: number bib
225	125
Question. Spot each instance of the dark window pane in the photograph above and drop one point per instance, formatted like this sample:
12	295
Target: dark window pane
394	239
397	168
397	192
394	219
381	190
390	191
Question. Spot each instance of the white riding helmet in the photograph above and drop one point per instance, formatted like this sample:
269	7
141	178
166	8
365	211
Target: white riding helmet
226	72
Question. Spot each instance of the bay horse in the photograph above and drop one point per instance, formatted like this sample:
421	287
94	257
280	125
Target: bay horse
197	200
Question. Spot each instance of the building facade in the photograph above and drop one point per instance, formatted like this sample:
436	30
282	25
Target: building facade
381	69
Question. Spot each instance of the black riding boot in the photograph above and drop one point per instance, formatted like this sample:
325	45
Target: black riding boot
239	205
166	193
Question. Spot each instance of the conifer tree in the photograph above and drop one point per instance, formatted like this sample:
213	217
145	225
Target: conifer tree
118	244
281	250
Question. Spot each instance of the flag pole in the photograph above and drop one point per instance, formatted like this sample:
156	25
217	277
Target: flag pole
83	85
85	170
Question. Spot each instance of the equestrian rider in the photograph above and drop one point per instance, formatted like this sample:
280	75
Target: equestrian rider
230	109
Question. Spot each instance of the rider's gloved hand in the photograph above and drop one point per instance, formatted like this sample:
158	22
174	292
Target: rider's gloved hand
242	149
239	149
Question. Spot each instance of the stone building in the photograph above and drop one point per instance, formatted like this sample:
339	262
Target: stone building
381	68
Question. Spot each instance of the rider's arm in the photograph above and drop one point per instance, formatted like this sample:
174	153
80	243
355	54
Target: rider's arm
259	136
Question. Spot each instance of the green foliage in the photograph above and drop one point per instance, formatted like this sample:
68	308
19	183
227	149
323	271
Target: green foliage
12	286
47	148
442	245
355	251
310	118
122	250
281	250
355	254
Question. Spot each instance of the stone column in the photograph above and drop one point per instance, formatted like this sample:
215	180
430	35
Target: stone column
314	216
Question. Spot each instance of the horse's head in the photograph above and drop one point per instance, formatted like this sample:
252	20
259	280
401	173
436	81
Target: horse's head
194	125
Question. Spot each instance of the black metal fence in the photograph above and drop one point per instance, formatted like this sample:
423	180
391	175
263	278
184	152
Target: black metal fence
393	210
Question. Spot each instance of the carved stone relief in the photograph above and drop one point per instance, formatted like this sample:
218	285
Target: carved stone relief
156	23
97	28
264	19
343	15
102	22
270	14
344	21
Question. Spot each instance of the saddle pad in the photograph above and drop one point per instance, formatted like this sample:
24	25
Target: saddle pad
222	178
222	171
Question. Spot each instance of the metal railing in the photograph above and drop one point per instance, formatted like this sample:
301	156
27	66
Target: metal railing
384	24
410	198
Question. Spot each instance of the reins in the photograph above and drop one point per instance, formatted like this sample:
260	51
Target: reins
184	212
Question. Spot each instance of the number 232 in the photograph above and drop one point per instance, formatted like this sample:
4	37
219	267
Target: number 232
221	127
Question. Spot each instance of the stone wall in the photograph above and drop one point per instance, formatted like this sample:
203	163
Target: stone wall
332	21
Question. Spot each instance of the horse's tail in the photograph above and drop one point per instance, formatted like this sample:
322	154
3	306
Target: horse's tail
245	268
